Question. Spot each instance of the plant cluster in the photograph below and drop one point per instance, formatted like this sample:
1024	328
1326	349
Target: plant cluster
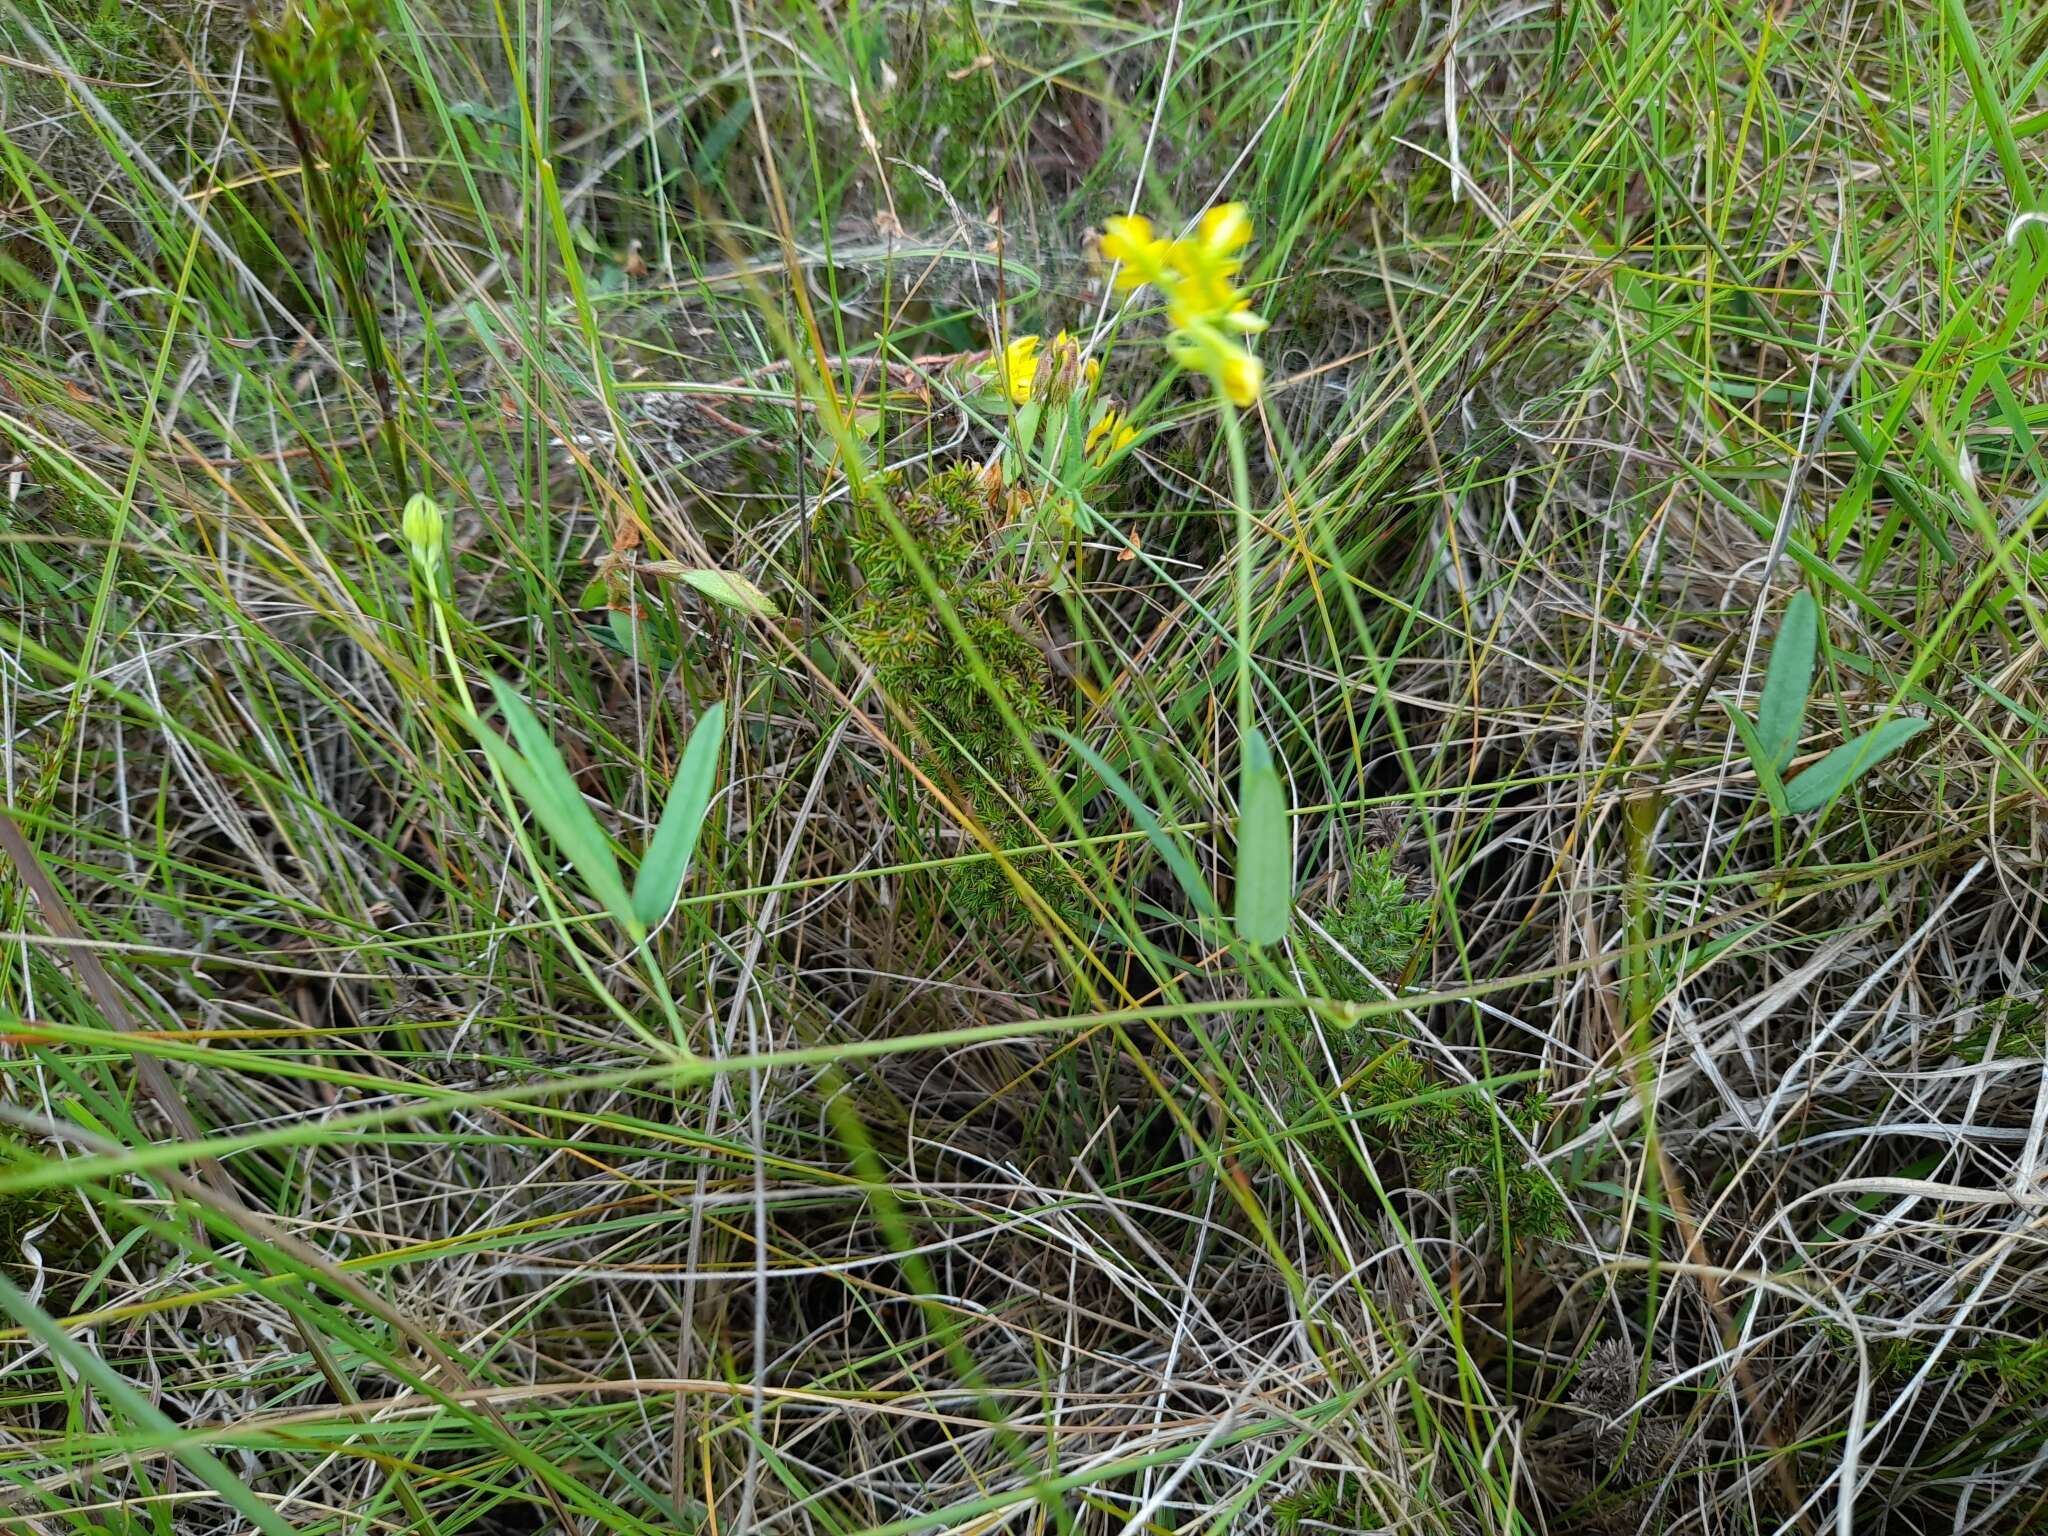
1374	929
1449	1140
1466	1145
319	55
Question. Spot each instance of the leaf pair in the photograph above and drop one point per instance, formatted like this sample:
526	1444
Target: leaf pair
533	766
1772	739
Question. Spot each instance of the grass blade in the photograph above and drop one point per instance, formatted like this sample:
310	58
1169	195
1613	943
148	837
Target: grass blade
150	1421
1175	856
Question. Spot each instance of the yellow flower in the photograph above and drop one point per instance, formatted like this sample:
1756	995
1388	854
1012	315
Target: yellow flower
1019	365
1131	243
1197	276
1242	376
1225	229
1110	436
1205	265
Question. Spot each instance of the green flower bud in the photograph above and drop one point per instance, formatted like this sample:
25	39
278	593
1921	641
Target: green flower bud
423	526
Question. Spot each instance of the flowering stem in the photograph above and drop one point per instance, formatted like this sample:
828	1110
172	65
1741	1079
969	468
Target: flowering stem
1241	497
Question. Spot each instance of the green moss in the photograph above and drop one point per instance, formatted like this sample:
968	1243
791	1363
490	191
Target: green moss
2007	1028
1452	1143
951	519
1327	1500
1377	925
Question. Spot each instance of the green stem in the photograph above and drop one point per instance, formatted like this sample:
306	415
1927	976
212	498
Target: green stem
1241	496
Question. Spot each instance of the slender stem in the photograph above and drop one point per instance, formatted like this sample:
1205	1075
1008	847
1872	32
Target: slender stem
1241	496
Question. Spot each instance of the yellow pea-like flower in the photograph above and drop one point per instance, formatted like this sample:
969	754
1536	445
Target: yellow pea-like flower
1111	435
1020	367
1197	276
1242	377
1142	256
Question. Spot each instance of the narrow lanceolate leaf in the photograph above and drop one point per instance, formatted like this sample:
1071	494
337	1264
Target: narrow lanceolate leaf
1265	849
667	863
1760	758
1781	713
1848	763
542	779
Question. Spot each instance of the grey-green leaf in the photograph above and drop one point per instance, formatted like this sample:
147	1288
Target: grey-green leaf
1781	712
1265	849
667	862
544	782
727	587
1847	763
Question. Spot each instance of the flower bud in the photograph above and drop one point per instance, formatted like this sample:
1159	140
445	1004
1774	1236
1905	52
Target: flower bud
423	526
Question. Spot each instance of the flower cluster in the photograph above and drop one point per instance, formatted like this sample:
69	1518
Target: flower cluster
1062	371
1110	436
1197	276
1035	376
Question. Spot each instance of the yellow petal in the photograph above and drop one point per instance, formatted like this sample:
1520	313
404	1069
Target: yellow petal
1141	257
1242	376
1225	229
1020	364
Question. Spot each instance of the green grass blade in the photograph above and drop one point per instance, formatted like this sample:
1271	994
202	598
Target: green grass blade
1171	853
119	1392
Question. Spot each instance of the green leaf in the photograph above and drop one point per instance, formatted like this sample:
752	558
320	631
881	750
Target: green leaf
727	587
1265	849
1781	713
542	779
1760	759
667	862
1847	763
